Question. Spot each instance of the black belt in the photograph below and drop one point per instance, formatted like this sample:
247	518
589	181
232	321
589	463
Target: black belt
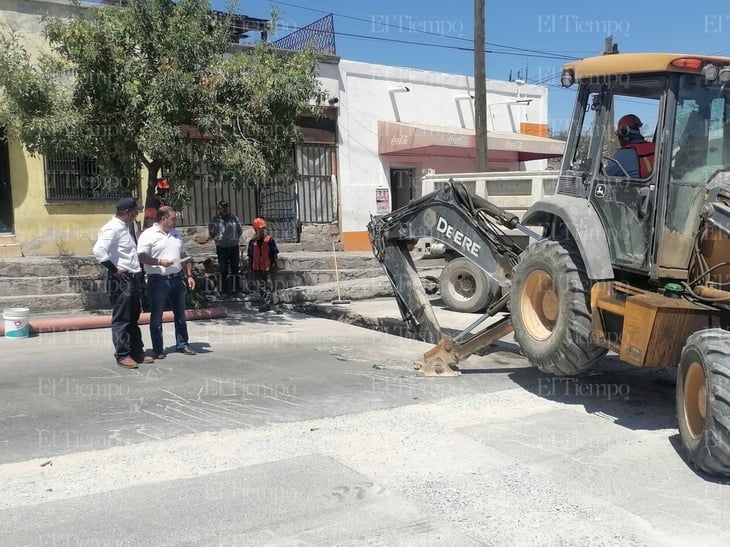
130	274
171	276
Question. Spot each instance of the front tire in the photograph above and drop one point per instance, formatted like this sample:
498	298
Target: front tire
703	400
551	308
466	288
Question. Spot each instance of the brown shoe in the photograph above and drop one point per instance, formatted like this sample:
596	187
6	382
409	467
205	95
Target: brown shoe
187	350
127	362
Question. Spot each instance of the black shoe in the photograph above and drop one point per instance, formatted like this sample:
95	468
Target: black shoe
187	350
160	355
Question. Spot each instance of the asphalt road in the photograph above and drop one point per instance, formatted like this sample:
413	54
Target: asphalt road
293	430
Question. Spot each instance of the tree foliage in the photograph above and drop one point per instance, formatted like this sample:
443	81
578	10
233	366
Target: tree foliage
158	84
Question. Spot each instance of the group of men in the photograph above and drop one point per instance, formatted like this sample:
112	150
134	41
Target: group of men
225	230
158	253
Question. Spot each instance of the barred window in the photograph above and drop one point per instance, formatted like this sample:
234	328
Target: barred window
74	178
316	195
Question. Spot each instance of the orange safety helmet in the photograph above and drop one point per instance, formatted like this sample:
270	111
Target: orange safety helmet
258	223
162	184
627	123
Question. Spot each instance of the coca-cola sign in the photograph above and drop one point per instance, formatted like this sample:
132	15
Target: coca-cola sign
458	140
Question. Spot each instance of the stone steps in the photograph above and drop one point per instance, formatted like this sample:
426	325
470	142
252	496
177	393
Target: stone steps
87	265
57	303
350	289
9	246
63	284
57	284
293	278
32	286
34	266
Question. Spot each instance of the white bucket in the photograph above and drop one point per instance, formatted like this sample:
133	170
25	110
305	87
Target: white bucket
16	322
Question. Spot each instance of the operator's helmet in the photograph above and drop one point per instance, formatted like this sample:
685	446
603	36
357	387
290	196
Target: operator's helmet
627	124
162	184
258	223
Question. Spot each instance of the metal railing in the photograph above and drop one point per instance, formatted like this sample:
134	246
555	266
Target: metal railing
206	194
72	178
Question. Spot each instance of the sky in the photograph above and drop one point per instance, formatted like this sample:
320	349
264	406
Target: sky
527	39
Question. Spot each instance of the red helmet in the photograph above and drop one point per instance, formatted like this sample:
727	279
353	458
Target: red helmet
258	223
627	123
162	184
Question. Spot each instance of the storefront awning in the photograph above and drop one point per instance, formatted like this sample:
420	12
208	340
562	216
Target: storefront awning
396	138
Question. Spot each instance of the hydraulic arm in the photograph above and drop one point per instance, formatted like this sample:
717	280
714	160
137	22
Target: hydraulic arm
467	224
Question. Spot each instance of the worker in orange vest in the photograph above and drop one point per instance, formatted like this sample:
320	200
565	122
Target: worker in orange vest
262	263
154	202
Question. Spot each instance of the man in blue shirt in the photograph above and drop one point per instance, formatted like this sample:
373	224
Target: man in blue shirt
225	229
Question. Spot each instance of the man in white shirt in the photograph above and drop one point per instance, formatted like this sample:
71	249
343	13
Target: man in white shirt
116	250
162	252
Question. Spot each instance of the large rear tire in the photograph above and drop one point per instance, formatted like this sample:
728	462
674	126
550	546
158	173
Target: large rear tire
703	400
466	288
551	308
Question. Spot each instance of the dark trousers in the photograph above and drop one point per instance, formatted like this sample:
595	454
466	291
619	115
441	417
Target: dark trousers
229	268
264	283
126	307
159	290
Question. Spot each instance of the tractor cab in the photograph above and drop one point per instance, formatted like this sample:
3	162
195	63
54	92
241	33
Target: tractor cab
648	133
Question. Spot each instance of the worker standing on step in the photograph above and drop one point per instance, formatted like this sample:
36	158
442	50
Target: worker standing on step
225	229
262	263
116	250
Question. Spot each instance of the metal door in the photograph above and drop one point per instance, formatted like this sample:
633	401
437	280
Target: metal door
6	198
277	204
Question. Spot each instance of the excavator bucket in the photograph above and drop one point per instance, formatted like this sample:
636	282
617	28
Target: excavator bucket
441	360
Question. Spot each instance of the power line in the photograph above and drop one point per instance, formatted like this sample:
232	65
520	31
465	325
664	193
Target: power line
534	52
429	44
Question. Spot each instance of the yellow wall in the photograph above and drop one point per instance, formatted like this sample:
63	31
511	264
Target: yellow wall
51	229
43	228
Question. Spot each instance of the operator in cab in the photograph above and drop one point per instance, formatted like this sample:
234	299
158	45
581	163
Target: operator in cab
635	158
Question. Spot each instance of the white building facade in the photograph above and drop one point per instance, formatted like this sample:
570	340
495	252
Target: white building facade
395	124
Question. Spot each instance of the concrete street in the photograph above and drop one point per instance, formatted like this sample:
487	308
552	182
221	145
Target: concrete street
288	429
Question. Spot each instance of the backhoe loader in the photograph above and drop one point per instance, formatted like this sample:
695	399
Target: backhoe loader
637	266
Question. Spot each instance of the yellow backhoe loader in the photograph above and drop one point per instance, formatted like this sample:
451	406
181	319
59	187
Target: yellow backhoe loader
636	261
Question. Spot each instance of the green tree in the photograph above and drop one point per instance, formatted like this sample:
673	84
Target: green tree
158	84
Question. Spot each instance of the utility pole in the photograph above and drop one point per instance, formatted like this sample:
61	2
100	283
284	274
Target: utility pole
480	87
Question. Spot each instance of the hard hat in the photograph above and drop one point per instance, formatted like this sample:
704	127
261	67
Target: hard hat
162	184
258	223
627	123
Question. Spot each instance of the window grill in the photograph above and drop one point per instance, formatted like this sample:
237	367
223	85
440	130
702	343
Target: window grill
73	178
315	183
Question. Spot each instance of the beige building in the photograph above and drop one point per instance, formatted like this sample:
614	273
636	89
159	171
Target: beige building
385	127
